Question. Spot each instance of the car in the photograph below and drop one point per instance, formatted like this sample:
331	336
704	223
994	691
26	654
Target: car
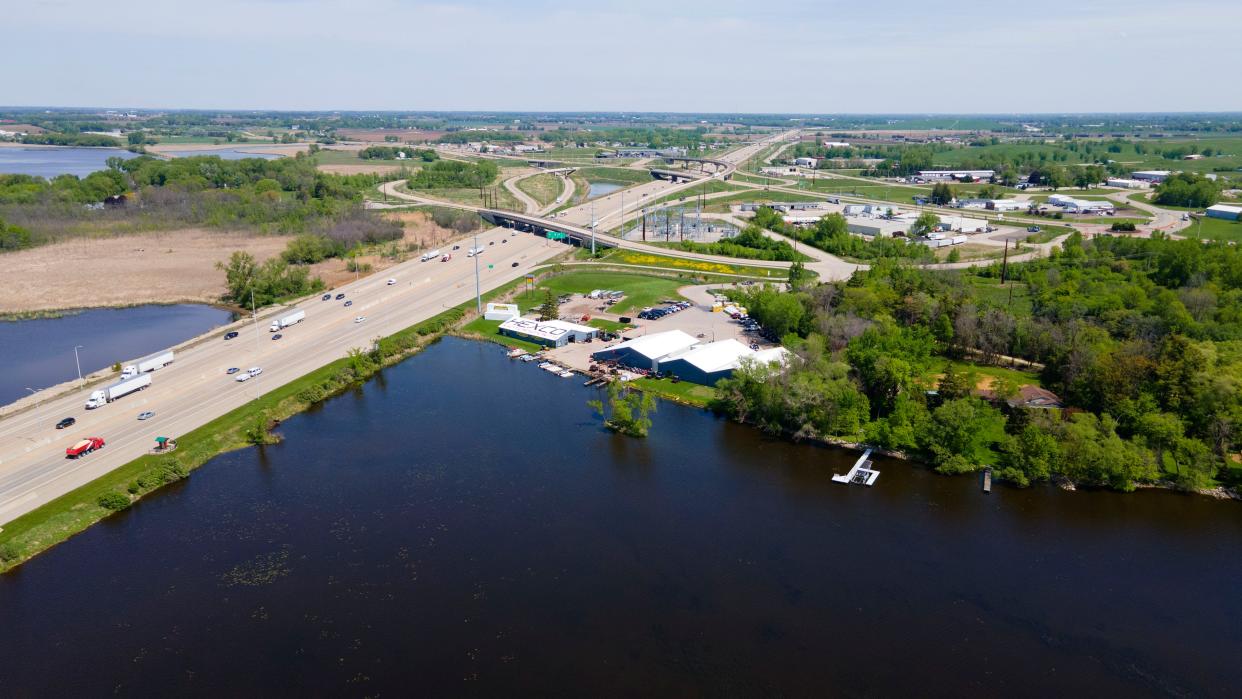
504	240
457	247
146	415
241	378
254	370
326	297
514	264
67	422
232	370
348	304
340	296
277	336
1032	229
391	281
230	334
492	243
359	319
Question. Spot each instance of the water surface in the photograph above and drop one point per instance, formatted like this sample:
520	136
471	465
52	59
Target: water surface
599	189
222	153
461	525
52	161
39	353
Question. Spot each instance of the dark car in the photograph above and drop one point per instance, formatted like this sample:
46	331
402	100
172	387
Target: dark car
504	240
277	336
340	296
514	264
457	247
349	303
67	422
327	297
230	335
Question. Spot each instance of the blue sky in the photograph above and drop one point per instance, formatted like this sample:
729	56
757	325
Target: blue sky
892	56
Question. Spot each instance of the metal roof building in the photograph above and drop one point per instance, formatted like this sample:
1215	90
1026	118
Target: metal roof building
646	352
552	333
1229	213
708	363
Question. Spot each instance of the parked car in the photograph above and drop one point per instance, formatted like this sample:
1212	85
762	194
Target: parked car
146	415
349	303
67	422
340	296
230	334
1032	229
277	336
232	370
326	297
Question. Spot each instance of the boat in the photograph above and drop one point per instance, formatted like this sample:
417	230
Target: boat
550	367
516	352
528	357
566	374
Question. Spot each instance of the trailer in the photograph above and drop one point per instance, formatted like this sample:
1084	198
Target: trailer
84	446
151	362
121	388
429	256
284	322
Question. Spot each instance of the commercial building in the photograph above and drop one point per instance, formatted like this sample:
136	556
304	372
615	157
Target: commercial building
956	174
1151	175
1229	213
646	352
708	363
964	224
550	333
876	227
806	162
1124	183
501	311
1008	205
972	203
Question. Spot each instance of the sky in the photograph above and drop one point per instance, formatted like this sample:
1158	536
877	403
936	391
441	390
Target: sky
782	56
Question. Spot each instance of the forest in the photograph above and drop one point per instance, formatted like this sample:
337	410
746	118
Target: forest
1140	339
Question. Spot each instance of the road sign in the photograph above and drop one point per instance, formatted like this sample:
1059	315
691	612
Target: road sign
491	266
556	235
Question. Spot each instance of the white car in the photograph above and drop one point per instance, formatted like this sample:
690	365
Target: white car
255	371
359	319
241	377
391	282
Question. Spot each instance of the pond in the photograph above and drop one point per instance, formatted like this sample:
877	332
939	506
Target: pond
599	189
50	161
221	153
462	525
39	353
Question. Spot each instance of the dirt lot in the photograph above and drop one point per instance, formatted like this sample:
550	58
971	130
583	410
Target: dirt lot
360	168
421	233
145	268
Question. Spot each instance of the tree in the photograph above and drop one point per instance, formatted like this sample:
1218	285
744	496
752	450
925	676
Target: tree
965	428
941	194
797	275
551	308
924	224
955	384
627	411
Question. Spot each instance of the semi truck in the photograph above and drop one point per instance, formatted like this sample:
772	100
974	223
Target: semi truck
159	360
123	387
84	446
286	321
429	256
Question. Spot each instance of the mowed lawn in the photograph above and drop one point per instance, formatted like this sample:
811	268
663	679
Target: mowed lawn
1215	229
543	188
640	291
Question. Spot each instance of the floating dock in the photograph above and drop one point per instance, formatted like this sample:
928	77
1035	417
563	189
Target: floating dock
860	473
987	479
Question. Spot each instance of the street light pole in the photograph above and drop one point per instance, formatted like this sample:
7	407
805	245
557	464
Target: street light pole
478	298
592	229
77	362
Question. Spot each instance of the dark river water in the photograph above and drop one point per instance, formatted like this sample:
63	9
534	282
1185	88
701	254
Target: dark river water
461	525
39	353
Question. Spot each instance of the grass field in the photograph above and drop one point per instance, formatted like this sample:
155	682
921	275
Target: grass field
682	391
543	188
469	195
1215	229
640	290
617	175
677	264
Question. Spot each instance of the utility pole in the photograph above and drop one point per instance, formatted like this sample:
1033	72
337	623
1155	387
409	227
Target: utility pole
592	229
1005	264
644	225
76	362
478	296
254	317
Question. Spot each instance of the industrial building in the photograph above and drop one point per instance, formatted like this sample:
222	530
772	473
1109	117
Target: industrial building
963	224
1008	205
1082	206
956	174
1229	213
645	352
972	203
806	162
1151	175
678	354
550	333
1124	183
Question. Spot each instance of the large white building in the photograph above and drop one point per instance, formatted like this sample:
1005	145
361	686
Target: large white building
1151	175
677	353
1125	183
552	333
806	162
956	174
1229	213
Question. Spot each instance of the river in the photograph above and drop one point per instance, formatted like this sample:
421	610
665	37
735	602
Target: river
461	525
52	161
39	353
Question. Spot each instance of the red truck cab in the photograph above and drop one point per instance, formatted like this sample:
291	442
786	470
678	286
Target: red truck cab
84	446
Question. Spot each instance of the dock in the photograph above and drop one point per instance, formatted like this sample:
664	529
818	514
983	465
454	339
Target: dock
987	479
860	473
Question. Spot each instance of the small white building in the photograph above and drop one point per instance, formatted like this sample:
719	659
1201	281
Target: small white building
836	144
964	224
956	174
1008	205
806	162
501	311
551	333
1229	213
1125	183
972	203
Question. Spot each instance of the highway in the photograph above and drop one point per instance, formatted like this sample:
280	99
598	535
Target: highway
196	389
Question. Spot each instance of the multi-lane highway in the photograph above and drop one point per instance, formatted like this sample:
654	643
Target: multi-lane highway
196	389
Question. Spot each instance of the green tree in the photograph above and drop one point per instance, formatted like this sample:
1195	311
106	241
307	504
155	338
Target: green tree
627	411
924	224
551	308
941	194
965	428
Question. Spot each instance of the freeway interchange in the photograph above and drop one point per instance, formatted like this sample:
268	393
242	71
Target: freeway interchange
196	389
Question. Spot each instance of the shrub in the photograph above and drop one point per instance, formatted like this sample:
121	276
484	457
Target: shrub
113	501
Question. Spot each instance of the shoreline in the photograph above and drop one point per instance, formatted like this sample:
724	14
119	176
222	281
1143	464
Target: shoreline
51	313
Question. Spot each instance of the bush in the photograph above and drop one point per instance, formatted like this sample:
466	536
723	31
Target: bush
113	501
1122	226
9	552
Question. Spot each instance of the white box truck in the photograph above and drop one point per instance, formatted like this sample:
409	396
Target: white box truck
474	251
285	321
151	362
429	256
123	387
